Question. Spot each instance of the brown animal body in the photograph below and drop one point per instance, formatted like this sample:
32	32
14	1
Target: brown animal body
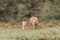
25	23
34	21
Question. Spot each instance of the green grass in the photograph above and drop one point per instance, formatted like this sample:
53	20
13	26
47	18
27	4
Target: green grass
46	33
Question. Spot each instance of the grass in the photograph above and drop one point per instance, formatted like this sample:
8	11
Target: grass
46	33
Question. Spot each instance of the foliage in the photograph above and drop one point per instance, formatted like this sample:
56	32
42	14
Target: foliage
23	9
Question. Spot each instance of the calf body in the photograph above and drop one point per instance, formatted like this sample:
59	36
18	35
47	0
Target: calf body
25	23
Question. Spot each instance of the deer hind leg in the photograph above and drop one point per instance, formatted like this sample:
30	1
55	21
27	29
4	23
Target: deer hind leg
33	25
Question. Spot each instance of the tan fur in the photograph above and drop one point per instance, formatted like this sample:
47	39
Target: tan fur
25	23
34	21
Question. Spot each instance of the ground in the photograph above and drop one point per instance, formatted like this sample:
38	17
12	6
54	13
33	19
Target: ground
46	33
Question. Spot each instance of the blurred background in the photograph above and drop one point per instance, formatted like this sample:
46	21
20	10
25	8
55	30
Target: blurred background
15	11
18	10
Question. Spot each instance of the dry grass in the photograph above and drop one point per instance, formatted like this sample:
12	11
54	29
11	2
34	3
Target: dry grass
6	25
18	25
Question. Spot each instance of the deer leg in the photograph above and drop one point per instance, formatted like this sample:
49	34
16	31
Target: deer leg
23	26
33	25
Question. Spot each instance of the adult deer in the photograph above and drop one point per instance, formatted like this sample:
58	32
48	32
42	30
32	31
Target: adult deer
34	21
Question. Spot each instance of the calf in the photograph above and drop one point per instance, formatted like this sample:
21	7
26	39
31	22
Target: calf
25	23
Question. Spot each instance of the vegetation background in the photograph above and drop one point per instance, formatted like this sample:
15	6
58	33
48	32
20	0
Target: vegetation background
15	11
19	10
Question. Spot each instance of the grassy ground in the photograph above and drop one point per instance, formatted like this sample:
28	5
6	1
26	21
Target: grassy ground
46	33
